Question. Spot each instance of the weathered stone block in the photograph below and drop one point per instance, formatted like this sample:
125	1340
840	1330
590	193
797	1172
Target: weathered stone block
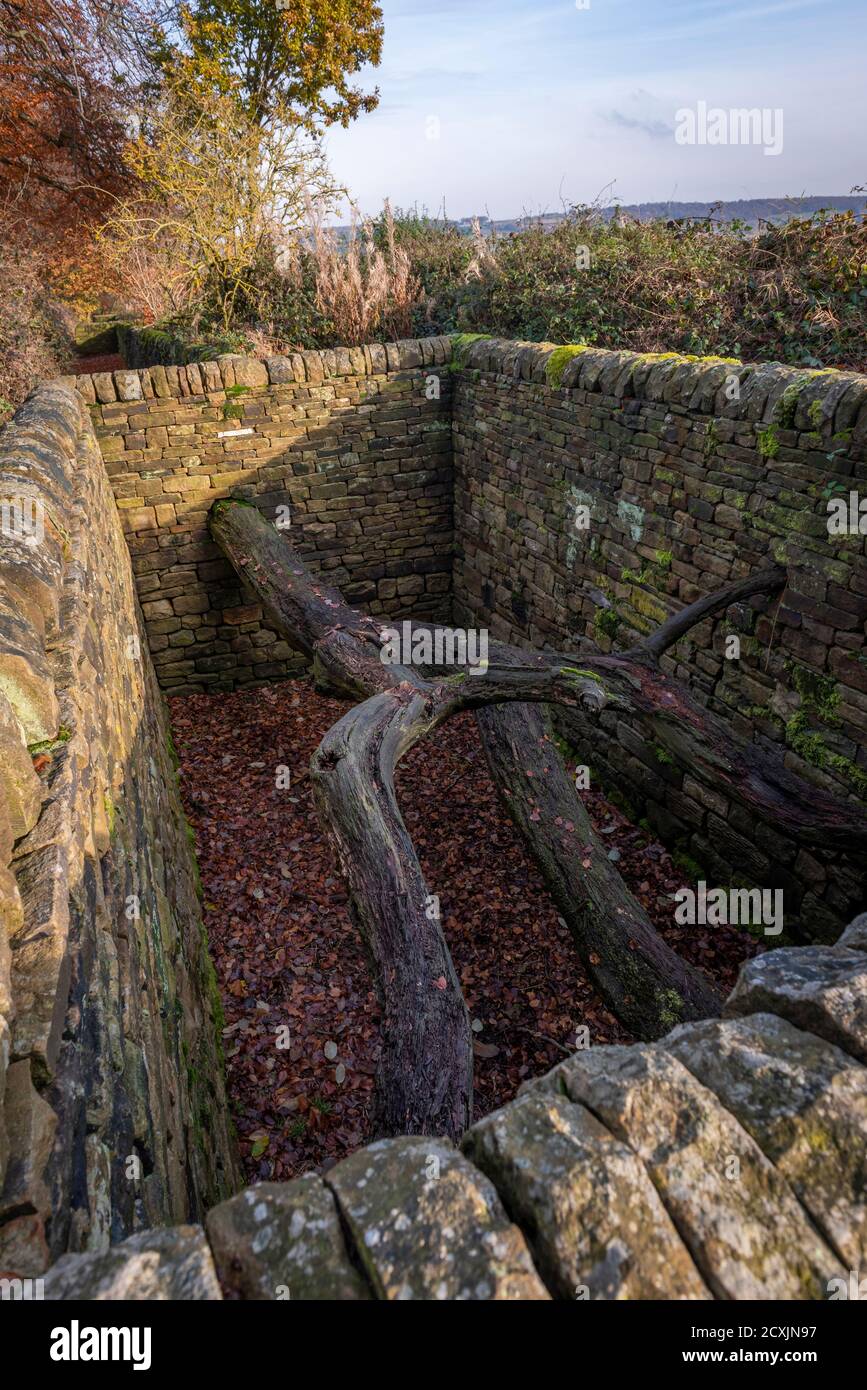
595	1223
821	989
400	1196
736	1214
805	1104
167	1264
284	1240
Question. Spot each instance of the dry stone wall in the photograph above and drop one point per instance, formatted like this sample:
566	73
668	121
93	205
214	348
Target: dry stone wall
692	473
351	448
386	459
112	1109
607	1178
723	1162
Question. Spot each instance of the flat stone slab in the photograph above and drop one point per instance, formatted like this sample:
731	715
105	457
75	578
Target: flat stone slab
805	1104
22	790
821	989
428	1225
593	1218
171	1263
737	1215
283	1241
855	935
41	966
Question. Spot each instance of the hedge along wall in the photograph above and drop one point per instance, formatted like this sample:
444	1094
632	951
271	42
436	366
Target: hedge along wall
687	489
355	442
113	1114
150	347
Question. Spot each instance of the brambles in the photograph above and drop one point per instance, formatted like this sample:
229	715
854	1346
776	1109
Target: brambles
695	288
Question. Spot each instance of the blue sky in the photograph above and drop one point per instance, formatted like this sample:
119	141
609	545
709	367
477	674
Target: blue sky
533	103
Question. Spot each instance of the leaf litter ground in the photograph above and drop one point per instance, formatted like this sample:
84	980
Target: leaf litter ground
302	1019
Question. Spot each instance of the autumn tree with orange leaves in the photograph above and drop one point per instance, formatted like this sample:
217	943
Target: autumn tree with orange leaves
94	94
62	111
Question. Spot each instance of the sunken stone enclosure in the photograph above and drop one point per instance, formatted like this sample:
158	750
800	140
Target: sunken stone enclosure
434	479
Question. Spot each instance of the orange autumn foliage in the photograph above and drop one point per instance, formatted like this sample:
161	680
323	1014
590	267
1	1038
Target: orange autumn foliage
62	131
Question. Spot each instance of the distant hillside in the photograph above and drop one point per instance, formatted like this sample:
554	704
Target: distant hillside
748	210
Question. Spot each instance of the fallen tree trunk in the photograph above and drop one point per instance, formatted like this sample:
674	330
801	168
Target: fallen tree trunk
424	1082
642	980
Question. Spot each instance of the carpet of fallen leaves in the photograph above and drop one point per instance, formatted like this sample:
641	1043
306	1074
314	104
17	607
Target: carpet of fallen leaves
97	362
301	1035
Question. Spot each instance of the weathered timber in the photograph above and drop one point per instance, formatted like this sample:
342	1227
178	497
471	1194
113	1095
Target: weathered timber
424	1083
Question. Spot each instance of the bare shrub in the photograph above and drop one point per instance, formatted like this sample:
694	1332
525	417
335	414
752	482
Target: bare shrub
216	195
484	258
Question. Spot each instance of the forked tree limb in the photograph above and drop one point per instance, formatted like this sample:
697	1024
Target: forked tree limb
424	1080
424	1084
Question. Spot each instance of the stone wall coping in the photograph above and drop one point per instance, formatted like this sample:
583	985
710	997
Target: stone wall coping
234	369
678	379
673	379
586	1181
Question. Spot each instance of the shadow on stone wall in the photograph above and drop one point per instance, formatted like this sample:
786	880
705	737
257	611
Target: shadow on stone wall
113	1109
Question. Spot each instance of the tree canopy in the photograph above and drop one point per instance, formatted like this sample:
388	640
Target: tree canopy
296	55
62	127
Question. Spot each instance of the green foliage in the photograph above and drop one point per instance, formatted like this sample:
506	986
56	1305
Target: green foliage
232	410
788	404
807	742
462	342
172	343
50	744
820	700
298	55
652	571
795	293
819	694
815	414
850	772
607	622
